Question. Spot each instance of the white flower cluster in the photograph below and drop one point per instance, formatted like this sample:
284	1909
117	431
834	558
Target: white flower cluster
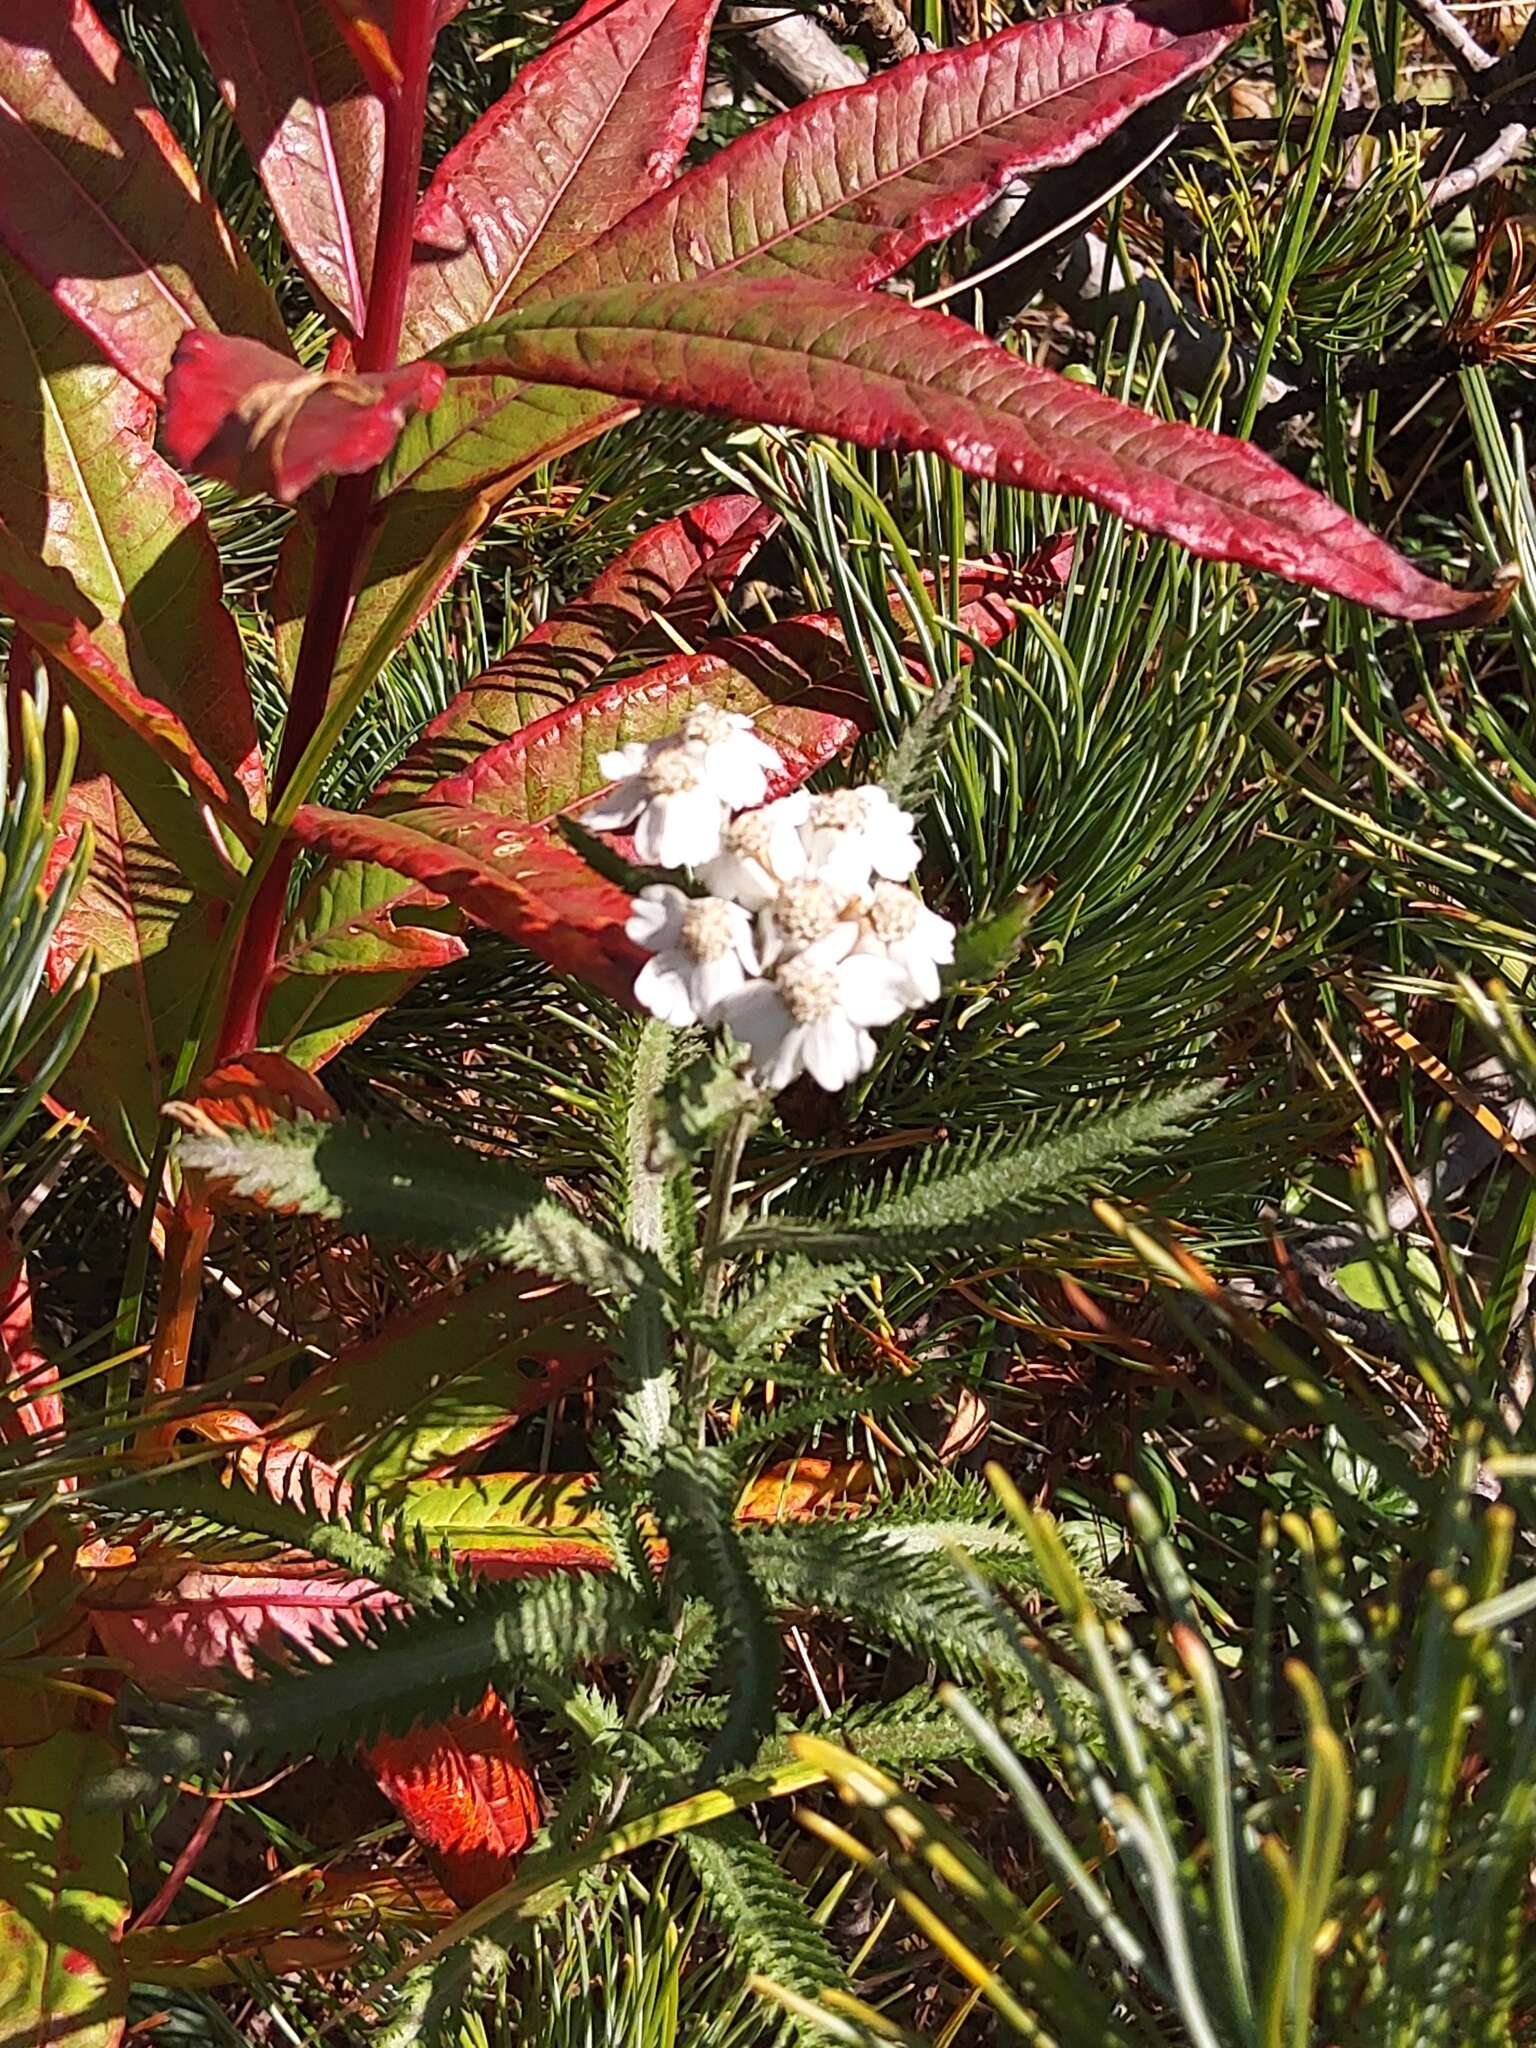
810	937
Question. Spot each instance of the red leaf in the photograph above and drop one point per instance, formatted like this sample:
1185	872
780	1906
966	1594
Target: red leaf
886	375
674	571
315	133
599	119
521	883
851	185
99	202
239	411
464	1788
177	1627
795	679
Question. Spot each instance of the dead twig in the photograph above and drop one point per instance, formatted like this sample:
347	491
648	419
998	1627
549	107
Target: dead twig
792	53
1447	30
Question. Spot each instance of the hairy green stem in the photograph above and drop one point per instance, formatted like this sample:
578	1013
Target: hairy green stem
650	1693
719	1227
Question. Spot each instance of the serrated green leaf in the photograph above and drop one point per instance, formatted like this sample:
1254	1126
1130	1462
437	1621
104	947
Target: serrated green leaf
402	1667
407	1184
977	1196
697	1504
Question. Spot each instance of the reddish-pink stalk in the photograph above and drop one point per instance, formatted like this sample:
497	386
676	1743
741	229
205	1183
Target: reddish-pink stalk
339	545
343	531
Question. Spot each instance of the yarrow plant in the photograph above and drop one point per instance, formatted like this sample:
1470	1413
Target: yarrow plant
807	941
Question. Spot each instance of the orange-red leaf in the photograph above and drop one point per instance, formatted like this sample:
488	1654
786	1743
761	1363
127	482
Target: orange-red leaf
464	1788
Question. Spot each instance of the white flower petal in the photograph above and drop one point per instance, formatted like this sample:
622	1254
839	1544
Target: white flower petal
921	971
840	859
757	1018
893	851
737	775
682	830
874	991
935	934
836	1052
746	882
655	917
661	987
834	945
744	937
619	807
785	1064
625	760
714	982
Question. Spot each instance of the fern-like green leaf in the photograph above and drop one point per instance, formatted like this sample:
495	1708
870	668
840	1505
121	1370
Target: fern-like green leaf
760	1911
696	1499
359	1538
978	1196
918	1600
408	1184
400	1667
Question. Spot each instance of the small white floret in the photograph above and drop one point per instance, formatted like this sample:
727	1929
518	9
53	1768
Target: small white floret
759	852
898	926
853	834
815	1017
702	952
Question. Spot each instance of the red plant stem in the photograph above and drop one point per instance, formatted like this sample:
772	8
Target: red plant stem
339	551
181	1280
343	532
182	1868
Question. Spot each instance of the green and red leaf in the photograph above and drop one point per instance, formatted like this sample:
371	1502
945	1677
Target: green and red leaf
851	185
518	881
446	1378
356	919
887	375
598	120
42	603
63	1898
239	411
123	578
794	679
151	937
676	571
99	202
315	132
